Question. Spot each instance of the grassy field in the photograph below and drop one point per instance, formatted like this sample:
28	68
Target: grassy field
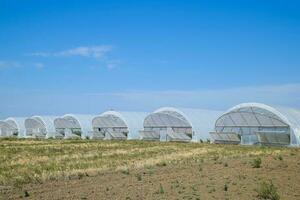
77	169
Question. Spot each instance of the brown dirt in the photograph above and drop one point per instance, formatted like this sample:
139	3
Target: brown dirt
184	179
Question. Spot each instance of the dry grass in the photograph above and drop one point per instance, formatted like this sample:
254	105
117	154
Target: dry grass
26	161
77	169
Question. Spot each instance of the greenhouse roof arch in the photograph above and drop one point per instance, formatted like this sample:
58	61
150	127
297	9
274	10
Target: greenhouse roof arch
75	121
17	124
4	129
42	122
260	118
201	121
132	121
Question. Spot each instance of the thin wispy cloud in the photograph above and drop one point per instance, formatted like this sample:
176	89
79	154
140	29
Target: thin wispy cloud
112	64
39	65
18	65
84	51
9	64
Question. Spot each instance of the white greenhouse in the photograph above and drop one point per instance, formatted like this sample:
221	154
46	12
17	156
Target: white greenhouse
255	123
12	127
113	125
40	126
73	126
179	124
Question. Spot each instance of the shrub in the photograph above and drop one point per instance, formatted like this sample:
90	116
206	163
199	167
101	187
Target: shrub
267	191
256	163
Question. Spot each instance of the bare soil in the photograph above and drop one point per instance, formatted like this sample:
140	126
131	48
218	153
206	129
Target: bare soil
230	177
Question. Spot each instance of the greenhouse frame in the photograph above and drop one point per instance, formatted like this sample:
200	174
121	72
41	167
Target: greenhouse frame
73	126
40	126
13	127
118	125
258	124
179	124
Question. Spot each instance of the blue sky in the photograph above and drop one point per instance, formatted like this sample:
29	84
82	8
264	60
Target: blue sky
89	56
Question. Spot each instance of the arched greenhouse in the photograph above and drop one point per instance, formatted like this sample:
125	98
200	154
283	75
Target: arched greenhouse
40	127
113	125
73	126
13	127
255	123
179	124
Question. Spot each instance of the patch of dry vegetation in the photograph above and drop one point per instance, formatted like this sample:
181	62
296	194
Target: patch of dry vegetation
25	161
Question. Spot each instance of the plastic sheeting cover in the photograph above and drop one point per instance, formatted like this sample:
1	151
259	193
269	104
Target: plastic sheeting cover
46	121
84	122
18	124
132	120
201	120
281	118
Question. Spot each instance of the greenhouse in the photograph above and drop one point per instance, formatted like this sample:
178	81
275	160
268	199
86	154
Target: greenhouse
254	123
13	127
113	125
40	126
5	129
73	126
182	124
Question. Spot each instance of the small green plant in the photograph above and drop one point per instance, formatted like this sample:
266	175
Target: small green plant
194	188
225	187
200	169
292	154
226	164
256	163
267	191
212	190
280	157
161	189
139	177
126	172
26	193
162	164
80	175
216	157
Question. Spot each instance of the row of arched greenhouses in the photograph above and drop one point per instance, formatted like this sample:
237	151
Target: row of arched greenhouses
248	124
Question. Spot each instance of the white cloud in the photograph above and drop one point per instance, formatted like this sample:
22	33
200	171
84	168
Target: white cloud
9	64
92	51
112	64
39	65
16	64
40	54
